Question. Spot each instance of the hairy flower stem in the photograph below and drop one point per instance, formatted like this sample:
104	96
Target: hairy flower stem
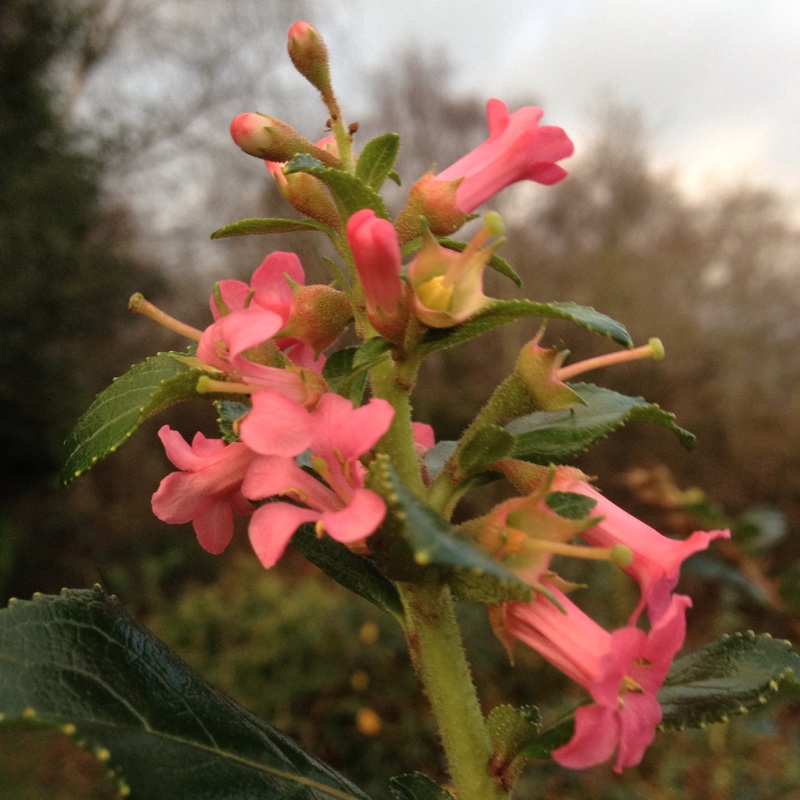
434	642
394	382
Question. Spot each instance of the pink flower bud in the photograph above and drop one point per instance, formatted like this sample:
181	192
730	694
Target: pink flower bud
268	138
373	242
310	56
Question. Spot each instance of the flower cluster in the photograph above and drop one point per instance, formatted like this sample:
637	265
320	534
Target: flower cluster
311	426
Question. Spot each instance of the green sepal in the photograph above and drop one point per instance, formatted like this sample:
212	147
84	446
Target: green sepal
417	787
556	437
149	387
487	446
415	542
349	193
511	730
357	573
501	312
376	160
229	412
80	660
732	675
258	225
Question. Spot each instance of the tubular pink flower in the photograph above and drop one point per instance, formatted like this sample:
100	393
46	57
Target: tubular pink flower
376	252
207	489
622	671
337	502
656	560
517	149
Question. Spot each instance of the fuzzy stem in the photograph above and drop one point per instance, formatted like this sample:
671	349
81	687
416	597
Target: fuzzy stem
434	641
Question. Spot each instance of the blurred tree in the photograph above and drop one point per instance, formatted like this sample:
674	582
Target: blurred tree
67	266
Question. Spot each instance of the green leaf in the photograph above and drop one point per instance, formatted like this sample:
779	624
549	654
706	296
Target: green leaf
512	729
229	412
79	659
556	437
149	387
257	225
417	787
487	446
349	193
732	675
570	505
422	540
501	312
437	456
346	370
377	159
354	572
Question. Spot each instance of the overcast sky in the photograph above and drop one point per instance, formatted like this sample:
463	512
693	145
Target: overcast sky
715	79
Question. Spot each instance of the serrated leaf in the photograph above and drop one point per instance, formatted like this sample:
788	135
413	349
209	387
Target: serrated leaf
229	412
501	312
417	787
556	437
732	675
354	572
376	160
431	542
258	225
149	387
79	659
487	446
349	193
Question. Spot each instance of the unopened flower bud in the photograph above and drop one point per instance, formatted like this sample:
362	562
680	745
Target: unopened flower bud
268	138
310	57
319	315
433	202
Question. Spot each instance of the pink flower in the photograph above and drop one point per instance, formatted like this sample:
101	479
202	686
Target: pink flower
517	149
233	342
622	671
336	501
376	252
656	560
207	489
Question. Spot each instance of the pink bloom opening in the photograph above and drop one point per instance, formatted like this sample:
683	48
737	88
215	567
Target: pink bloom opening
622	671
336	501
657	559
207	489
517	149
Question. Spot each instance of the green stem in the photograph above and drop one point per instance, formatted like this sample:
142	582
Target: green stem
434	641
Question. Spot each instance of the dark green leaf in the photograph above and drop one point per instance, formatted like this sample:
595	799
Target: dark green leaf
497	263
488	445
501	312
732	675
377	159
149	387
556	437
256	225
229	413
417	787
346	370
357	573
570	505
349	193
81	660
428	541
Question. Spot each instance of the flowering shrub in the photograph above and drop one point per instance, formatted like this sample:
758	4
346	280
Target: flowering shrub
319	450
